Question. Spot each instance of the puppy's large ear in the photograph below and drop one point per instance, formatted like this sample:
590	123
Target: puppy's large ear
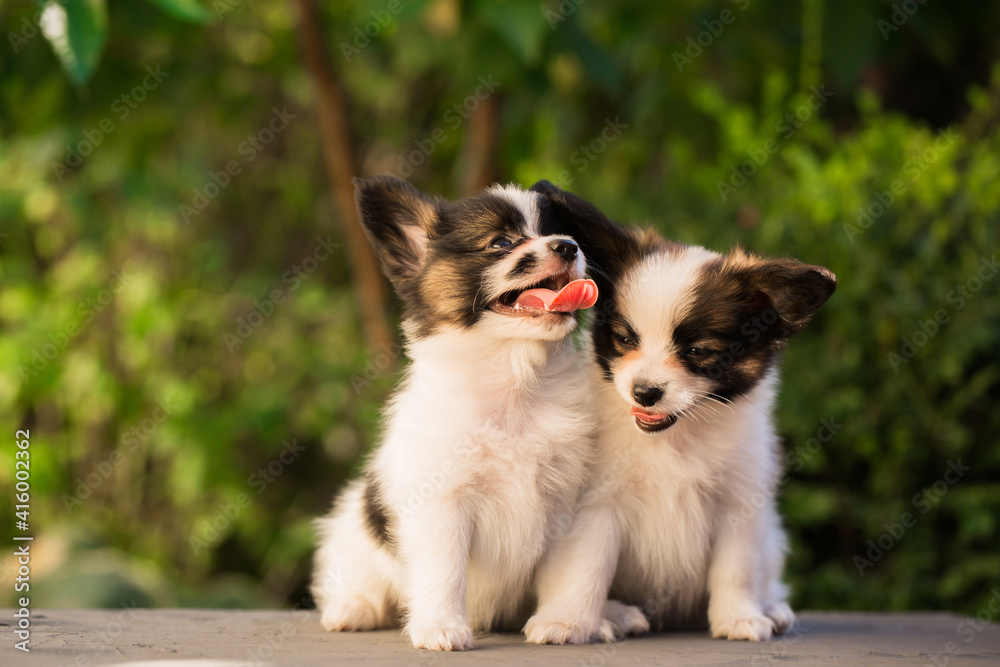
609	246
794	290
398	220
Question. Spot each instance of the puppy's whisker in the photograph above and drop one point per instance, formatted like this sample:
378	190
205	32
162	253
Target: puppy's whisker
597	271
688	412
720	398
482	282
709	402
705	406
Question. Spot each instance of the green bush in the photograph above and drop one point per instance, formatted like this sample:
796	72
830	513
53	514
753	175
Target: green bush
157	417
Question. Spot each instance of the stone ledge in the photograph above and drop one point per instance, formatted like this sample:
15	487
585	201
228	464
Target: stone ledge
224	637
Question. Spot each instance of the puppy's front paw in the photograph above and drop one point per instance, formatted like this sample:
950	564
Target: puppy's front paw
628	620
754	628
348	616
782	616
453	636
541	630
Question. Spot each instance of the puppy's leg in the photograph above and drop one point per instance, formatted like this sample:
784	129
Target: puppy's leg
626	619
774	592
734	607
778	610
352	580
573	582
434	545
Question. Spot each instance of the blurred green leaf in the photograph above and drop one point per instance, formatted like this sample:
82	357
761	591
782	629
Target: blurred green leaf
186	10
76	31
521	24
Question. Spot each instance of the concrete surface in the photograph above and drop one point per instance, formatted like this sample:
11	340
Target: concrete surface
190	637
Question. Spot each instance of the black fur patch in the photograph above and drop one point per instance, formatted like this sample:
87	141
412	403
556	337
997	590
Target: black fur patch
395	215
611	250
377	515
745	310
434	251
524	265
450	289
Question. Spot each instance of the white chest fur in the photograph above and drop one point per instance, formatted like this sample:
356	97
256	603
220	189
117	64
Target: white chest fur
671	491
501	436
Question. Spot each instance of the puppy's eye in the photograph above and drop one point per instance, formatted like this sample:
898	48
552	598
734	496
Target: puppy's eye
500	242
698	352
627	341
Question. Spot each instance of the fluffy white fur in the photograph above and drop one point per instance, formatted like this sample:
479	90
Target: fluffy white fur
676	523
484	452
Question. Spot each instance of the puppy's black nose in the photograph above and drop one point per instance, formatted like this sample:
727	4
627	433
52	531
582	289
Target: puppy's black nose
646	396
564	248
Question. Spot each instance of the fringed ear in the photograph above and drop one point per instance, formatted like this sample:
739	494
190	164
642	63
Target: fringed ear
608	246
794	290
398	220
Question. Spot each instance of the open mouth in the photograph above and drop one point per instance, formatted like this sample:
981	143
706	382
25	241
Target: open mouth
558	295
652	423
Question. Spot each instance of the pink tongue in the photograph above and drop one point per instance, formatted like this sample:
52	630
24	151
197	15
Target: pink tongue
636	412
578	294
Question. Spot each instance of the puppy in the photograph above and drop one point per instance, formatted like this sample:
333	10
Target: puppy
680	518
488	437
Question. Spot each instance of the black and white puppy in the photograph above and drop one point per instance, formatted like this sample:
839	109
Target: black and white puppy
680	518
487	439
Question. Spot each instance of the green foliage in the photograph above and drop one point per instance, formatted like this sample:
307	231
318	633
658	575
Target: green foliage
187	10
157	426
76	31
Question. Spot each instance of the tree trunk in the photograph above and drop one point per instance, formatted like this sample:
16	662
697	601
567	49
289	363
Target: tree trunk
480	146
331	113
